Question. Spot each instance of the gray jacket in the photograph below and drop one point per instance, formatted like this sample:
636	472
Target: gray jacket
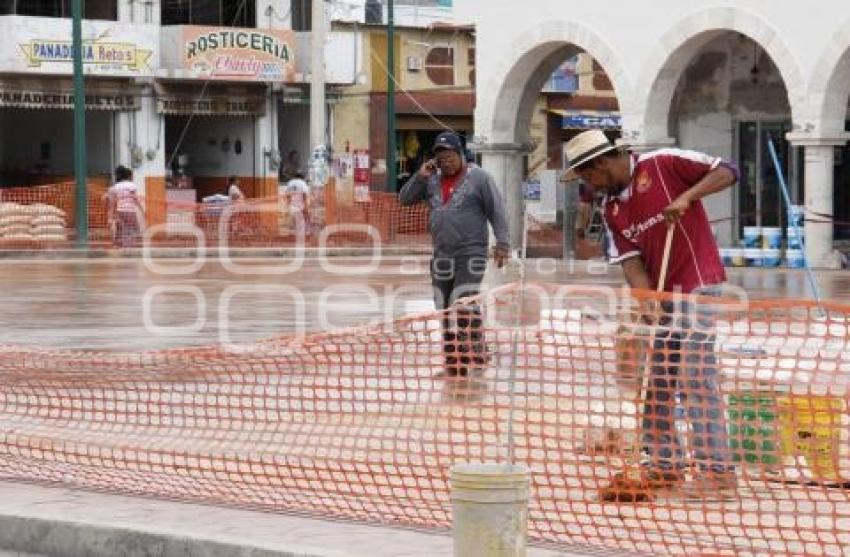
459	227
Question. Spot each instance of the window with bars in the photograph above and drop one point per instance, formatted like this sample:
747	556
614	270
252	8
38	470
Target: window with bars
92	9
219	13
302	15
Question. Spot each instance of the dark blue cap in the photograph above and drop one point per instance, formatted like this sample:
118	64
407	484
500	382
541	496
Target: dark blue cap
448	140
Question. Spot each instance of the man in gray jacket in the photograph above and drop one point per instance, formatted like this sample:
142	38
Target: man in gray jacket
463	199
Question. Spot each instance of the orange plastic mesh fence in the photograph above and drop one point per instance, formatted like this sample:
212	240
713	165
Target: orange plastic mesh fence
44	217
365	423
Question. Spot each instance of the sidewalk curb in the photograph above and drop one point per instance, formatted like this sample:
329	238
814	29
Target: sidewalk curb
72	539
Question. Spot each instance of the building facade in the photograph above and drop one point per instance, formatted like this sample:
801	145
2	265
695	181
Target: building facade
185	93
435	78
722	79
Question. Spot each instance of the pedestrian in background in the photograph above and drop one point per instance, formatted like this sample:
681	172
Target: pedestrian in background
234	192
124	208
297	194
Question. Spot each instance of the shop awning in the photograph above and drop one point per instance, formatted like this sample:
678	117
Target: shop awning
213	100
58	93
588	120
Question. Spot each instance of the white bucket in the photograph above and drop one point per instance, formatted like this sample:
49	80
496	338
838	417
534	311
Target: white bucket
771	237
736	257
794	259
753	257
490	510
752	236
793	241
771	258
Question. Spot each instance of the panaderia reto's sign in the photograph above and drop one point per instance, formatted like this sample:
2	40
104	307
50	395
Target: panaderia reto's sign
239	54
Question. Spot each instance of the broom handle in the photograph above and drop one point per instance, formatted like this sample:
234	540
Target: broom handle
647	369
665	261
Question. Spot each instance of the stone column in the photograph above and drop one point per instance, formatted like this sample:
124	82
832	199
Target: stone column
819	198
505	162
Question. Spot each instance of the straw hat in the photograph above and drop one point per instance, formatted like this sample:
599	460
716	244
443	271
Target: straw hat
587	146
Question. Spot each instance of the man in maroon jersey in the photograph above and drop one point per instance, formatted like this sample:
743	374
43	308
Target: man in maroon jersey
645	194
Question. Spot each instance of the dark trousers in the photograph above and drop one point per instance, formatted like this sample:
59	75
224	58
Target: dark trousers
453	279
685	366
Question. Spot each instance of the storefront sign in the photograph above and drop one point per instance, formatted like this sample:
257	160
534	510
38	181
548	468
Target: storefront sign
43	45
107	54
63	100
223	106
239	54
591	121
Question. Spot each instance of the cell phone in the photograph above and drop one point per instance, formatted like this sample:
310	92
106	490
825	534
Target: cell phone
432	164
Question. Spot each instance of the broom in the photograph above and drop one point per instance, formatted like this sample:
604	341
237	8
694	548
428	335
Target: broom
633	469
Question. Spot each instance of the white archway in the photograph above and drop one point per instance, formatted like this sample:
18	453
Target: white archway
829	89
678	47
503	118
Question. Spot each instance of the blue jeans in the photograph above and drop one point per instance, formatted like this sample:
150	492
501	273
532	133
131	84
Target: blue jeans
684	367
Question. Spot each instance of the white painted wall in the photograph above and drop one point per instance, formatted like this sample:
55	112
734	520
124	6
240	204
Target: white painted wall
807	44
520	43
141	41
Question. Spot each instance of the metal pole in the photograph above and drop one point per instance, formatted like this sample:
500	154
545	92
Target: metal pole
783	187
317	82
82	213
392	171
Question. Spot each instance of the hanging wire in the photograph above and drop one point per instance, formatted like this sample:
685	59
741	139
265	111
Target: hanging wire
406	92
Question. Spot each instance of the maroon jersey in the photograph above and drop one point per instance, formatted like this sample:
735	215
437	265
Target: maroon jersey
636	225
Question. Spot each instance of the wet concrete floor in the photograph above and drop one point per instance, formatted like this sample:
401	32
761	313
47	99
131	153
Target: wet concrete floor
133	304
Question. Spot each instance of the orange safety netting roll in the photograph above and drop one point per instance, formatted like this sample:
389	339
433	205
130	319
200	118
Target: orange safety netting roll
43	216
743	407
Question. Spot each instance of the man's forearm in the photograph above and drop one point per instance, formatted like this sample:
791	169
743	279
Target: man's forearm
636	275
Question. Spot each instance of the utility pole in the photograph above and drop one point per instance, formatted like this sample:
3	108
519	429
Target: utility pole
82	210
317	82
392	169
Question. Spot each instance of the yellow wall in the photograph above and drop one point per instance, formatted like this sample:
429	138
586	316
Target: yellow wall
417	42
351	123
351	113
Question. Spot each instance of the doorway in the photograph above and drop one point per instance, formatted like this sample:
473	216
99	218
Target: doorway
759	194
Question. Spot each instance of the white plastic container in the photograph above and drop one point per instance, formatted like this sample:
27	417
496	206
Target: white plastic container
490	510
752	236
753	257
797	215
736	256
771	258
771	237
732	257
793	241
794	259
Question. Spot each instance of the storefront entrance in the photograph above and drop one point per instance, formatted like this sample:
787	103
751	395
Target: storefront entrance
37	129
210	134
